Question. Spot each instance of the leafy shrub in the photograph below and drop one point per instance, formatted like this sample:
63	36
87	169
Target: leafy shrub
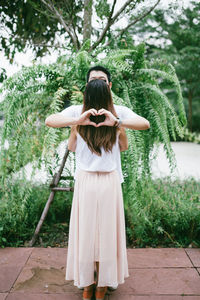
18	219
189	136
163	213
157	213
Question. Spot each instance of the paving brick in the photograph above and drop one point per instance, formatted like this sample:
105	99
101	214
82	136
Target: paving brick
176	281
45	257
3	296
12	260
22	296
8	275
14	256
194	255
157	258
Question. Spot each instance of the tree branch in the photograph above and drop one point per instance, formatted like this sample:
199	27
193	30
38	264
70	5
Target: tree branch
110	22
52	8
112	9
135	21
123	8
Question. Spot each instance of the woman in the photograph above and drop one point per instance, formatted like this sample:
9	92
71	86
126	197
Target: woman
97	228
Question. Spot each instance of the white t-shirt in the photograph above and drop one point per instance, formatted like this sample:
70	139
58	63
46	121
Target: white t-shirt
88	161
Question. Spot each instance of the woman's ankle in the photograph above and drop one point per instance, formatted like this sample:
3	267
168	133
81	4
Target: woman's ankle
101	288
89	287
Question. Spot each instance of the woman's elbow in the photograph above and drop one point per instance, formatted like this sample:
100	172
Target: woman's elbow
146	124
48	121
124	146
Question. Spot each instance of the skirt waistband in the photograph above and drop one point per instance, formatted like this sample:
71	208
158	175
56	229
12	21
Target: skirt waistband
98	172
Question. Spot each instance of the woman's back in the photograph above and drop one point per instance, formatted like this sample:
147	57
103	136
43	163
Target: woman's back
89	161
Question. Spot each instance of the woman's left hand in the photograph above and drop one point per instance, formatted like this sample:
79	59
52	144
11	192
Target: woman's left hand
110	119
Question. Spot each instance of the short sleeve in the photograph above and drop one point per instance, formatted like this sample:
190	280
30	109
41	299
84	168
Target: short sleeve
124	112
72	111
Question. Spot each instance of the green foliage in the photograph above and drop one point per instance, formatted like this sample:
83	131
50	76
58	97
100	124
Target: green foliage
174	36
102	9
20	31
160	213
163	213
67	19
189	136
18	218
30	94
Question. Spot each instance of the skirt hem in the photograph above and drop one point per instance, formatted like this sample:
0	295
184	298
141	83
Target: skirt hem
105	284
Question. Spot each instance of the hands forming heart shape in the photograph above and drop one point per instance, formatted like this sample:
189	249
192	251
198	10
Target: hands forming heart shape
96	118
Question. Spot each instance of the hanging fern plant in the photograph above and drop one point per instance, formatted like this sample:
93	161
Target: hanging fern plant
38	91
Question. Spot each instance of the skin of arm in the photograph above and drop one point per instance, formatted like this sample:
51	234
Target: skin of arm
58	120
138	123
123	140
72	139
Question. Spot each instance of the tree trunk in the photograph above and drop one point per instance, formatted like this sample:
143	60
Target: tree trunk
87	20
190	110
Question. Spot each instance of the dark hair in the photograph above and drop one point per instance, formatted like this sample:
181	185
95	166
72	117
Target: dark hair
98	95
99	68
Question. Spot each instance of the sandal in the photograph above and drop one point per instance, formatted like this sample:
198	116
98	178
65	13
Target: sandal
100	294
87	294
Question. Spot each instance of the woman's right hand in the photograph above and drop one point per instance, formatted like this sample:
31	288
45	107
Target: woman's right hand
84	118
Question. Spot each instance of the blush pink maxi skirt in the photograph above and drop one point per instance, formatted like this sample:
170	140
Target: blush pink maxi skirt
97	230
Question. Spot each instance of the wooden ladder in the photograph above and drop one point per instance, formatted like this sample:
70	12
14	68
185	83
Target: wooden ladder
54	188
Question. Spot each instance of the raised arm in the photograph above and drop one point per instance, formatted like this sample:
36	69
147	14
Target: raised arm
137	123
60	120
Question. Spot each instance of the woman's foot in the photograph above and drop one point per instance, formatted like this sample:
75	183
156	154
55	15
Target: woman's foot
88	292
100	292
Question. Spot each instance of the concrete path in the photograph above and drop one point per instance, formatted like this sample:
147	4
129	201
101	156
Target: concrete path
155	274
187	157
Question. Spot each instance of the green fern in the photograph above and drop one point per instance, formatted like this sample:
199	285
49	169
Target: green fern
35	92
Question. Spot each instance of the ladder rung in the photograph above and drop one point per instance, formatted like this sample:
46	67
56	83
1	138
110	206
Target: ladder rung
66	177
67	189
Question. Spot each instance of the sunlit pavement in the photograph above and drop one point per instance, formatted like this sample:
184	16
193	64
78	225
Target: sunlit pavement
187	157
154	274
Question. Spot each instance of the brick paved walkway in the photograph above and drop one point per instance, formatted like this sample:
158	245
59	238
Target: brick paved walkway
155	274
